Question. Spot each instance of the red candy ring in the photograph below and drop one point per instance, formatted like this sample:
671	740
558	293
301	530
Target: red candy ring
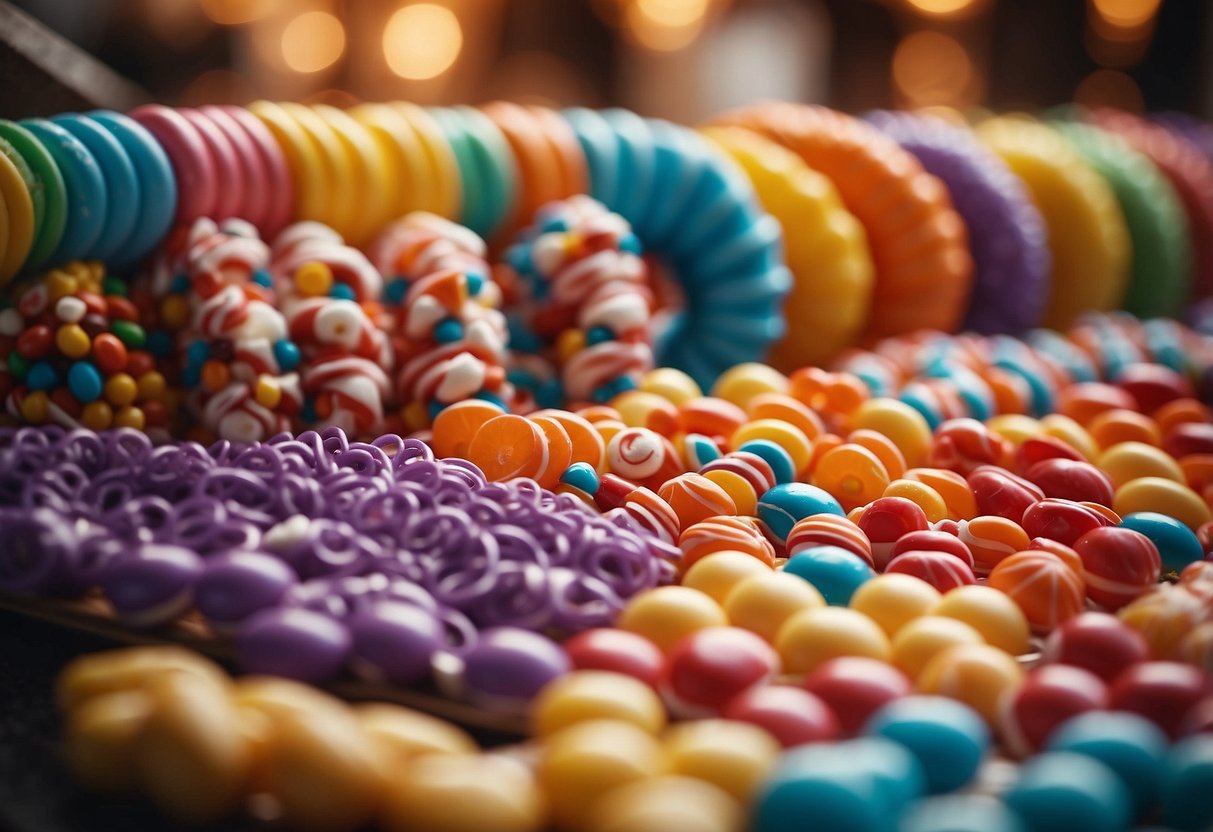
230	199
255	204
280	188
192	161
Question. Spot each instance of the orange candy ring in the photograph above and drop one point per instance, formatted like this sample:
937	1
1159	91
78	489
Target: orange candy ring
568	151
455	426
509	446
539	167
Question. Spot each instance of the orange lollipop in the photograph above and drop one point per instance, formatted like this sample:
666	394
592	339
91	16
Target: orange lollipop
455	427
509	446
853	474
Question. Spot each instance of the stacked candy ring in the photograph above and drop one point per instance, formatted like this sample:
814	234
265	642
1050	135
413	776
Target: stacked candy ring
47	192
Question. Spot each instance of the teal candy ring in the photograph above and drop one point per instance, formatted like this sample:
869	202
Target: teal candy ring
121	184
87	200
49	194
486	166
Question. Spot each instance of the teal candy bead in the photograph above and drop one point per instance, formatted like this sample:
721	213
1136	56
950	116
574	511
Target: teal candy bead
961	813
947	737
1132	746
41	375
1177	544
835	572
447	331
287	355
775	455
1187	788
783	506
342	291
581	475
84	382
1060	791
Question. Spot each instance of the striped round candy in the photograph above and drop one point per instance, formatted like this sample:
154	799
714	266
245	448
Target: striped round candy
694	497
641	454
962	445
1118	564
940	569
1044	586
719	534
991	540
756	470
830	530
653	513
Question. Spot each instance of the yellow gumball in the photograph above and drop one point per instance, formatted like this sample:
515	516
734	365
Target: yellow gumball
743	382
717	574
976	674
905	427
1126	461
585	695
472	793
990	612
637	409
922	639
814	636
733	756
1073	434
893	600
673	385
1164	496
1015	427
403	734
668	614
789	437
763	603
666	804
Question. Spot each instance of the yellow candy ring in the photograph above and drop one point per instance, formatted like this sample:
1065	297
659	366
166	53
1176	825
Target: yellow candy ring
377	188
339	165
1088	238
313	184
441	159
18	221
825	248
404	155
918	242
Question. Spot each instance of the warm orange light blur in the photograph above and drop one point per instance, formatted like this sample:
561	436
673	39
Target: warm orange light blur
930	68
236	12
1126	14
312	41
217	86
942	8
666	25
1110	88
422	41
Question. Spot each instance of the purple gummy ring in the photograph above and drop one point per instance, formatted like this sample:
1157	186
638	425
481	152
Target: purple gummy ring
255	192
580	602
280	210
521	598
1006	232
193	166
363	459
144	518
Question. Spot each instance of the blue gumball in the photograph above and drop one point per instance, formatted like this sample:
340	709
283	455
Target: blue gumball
836	572
1060	791
1177	544
1187	785
1132	746
783	506
947	737
961	813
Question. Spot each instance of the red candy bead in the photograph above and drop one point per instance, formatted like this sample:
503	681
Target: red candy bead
1001	493
1096	642
793	716
1062	520
1189	438
940	569
885	520
1046	698
618	651
1118	565
1038	449
855	687
710	667
109	353
1153	385
963	445
930	540
1070	479
612	492
1162	692
35	342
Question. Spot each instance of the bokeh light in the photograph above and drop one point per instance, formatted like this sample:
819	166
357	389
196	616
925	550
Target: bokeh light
931	68
218	86
1110	88
1126	14
422	41
666	25
237	12
940	8
312	41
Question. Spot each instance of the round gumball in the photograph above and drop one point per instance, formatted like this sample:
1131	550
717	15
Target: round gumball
762	603
1118	564
1128	461
709	667
793	716
717	534
999	619
1061	791
949	739
1153	385
1187	785
1096	642
922	639
584	695
932	503
963	445
1045	587
887	520
1188	439
835	572
741	383
1062	520
852	473
1164	496
854	688
1162	692
731	755
617	651
1070	479
694	497
1002	494
1126	743
1048	696
940	569
903	424
960	813
1177	544
1040	449
991	539
1060	550
781	507
720	572
978	675
668	614
812	637
893	600
930	540
830	530
662	803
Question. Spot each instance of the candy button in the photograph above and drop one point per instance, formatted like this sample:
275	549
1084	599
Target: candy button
617	651
893	600
1049	696
508	446
742	383
812	637
86	189
671	384
280	195
791	715
48	195
487	792
664	803
1164	496
1126	743
582	696
947	738
717	574
1062	790
733	756
979	675
710	666
924	637
951	487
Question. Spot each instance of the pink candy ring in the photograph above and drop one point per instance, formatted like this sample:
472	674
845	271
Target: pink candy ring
280	188
192	163
229	199
255	179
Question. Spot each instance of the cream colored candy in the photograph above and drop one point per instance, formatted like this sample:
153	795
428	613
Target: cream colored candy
404	734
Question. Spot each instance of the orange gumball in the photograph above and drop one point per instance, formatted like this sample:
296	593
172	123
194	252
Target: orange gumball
455	426
710	416
852	474
991	540
1048	590
1112	427
952	487
822	445
725	534
508	446
834	395
888	453
788	409
694	497
1181	412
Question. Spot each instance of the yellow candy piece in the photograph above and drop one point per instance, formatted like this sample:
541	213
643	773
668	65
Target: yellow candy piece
569	343
35	407
1073	434
717	574
990	612
314	184
585	695
905	427
976	674
19	210
130	417
607	428
405	735
922	639
152	386
922	495
372	183
673	385
786	435
338	164
1164	496
745	498
636	405
1127	461
444	168
1016	428
121	389
132	668
485	793
100	740
72	341
743	382
97	415
733	756
667	614
314	279
666	804
403	154
814	636
825	248
893	600
60	283
174	312
268	393
763	603
1088	238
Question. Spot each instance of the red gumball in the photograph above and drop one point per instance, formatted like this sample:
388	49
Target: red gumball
1038	449
1118	564
710	667
1067	555
1189	438
1062	520
619	651
934	541
1153	385
793	716
1162	692
941	570
1001	493
1096	642
963	445
1071	479
854	688
1046	698
885	520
